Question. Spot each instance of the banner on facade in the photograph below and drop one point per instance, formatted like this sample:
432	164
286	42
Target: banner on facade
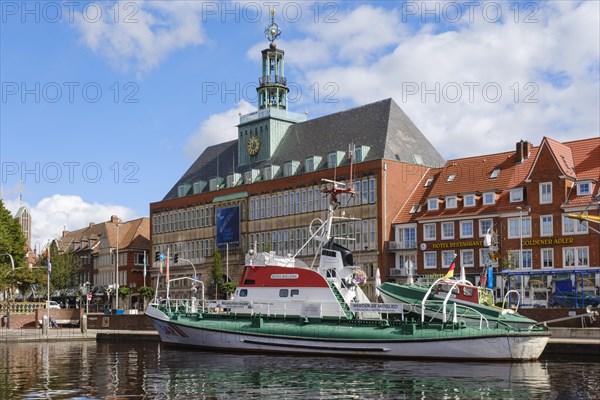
228	227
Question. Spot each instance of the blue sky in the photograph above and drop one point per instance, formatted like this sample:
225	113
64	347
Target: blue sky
104	105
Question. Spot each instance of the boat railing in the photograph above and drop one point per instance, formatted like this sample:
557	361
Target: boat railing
458	311
506	298
448	295
278	308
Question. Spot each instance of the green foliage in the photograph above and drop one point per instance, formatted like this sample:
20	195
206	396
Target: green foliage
146	292
12	242
124	292
216	271
65	268
228	287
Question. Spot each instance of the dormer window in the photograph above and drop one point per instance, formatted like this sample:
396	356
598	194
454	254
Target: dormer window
495	173
489	198
309	164
332	160
451	177
469	200
433	203
516	195
429	181
451	202
584	188
418	159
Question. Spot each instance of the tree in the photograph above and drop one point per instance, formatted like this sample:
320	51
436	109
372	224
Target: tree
124	293
228	288
216	271
65	268
12	242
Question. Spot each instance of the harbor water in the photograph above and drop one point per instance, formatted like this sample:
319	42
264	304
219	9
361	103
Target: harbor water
149	370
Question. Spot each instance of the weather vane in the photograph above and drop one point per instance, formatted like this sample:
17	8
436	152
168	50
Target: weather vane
272	32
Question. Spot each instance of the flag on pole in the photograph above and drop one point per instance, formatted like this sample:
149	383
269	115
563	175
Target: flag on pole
144	263
167	265
450	272
49	263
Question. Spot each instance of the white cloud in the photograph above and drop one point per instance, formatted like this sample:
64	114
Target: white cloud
51	215
142	33
547	71
217	128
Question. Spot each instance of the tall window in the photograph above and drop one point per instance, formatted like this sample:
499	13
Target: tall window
372	190
546	193
447	258
466	258
407	237
547	258
448	230
429	232
546	225
513	257
484	226
513	227
466	229
430	259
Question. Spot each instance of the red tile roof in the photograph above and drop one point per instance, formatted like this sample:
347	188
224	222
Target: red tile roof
473	175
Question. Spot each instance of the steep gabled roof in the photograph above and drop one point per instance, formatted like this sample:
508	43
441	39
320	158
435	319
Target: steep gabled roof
382	126
562	155
586	156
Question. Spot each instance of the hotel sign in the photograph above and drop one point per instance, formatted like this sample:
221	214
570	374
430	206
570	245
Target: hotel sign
454	245
548	241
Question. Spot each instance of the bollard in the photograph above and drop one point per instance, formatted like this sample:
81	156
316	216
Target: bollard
45	325
83	323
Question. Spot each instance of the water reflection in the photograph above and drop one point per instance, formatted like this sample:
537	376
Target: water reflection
86	370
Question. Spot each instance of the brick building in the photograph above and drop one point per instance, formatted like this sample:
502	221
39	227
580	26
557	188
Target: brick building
269	179
95	248
524	196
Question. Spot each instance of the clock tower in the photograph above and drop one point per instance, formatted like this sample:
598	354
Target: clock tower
260	132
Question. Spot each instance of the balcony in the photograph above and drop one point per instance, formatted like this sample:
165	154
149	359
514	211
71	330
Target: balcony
400	246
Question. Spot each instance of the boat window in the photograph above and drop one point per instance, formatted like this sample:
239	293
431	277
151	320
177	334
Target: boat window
283	292
467	291
243	292
249	282
295	292
331	273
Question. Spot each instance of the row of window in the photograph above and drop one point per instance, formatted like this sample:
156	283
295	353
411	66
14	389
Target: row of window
193	250
516	195
308	200
573	257
355	235
172	221
407	235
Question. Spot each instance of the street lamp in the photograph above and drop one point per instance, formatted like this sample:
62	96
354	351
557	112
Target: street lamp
12	261
521	248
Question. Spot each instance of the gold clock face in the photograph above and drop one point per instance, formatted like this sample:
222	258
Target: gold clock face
253	145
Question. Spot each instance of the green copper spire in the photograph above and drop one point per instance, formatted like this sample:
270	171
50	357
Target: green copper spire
272	92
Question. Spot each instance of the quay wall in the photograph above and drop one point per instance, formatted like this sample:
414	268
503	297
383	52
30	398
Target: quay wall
546	314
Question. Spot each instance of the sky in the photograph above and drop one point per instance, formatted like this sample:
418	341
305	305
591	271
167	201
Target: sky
105	104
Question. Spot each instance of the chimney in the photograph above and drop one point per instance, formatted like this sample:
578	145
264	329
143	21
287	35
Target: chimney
523	150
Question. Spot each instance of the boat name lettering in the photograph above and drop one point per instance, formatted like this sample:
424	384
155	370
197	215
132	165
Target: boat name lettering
376	307
284	276
549	241
450	245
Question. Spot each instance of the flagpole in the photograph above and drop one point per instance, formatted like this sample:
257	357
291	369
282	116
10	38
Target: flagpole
48	295
144	267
